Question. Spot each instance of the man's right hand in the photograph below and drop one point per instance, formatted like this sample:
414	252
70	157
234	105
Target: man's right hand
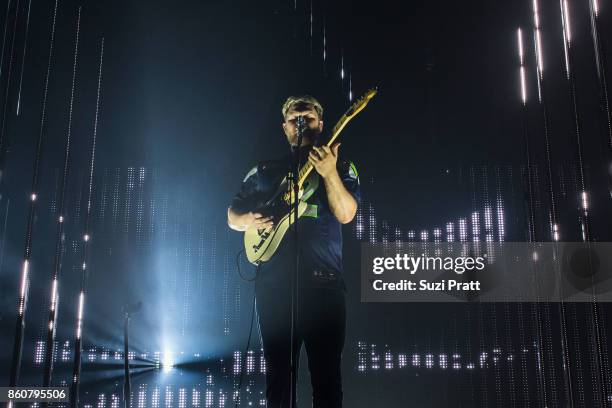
257	220
243	222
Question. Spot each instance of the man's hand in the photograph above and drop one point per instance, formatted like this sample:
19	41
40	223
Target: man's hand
341	202
243	222
257	220
324	159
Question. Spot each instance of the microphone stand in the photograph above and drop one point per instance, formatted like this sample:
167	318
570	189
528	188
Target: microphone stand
129	311
300	124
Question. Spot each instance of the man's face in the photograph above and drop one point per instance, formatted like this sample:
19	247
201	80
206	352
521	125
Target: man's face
314	126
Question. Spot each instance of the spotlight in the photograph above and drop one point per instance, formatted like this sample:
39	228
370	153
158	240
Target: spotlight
167	362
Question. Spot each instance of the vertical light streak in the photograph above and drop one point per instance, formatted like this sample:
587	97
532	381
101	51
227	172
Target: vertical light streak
23	55
6	105
568	29
311	18
537	34
76	370
6	21
23	297
50	345
54	295
522	67
603	87
520	44
24	286
80	314
566	43
324	43
540	58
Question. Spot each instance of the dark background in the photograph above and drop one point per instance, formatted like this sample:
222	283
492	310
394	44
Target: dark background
190	98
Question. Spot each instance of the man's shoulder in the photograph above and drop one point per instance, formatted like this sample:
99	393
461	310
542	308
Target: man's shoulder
266	167
348	168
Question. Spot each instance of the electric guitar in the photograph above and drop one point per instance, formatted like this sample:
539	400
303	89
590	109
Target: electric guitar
261	244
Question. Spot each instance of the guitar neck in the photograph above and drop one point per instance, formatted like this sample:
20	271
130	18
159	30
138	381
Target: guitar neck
357	107
307	168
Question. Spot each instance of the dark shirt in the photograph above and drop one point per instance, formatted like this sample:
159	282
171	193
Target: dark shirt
320	233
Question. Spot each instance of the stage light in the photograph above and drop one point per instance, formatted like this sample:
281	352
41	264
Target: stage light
101	401
462	230
155	398
195	398
520	44
585	200
522	67
209	399
538	38
142	396
167	362
169	397
324	43
500	220
388	360
450	232
416	360
182	397
523	86
483	359
475	227
437	233
53	297
39	352
566	40
24	284
568	31
402	361
443	360
429	360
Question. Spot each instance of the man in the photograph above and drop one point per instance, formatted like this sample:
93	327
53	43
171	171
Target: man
332	201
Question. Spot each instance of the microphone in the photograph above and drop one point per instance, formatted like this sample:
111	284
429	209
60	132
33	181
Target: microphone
300	124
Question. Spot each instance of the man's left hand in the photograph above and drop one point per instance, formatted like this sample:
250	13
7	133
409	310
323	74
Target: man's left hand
324	159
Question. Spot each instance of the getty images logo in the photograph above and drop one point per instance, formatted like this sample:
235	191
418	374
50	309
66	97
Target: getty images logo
411	264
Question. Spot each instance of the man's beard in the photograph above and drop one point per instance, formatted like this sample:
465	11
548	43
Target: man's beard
309	134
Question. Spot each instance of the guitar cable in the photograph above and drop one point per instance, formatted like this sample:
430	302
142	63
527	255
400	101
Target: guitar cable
248	344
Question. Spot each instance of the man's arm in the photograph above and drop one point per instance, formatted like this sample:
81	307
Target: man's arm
239	216
342	203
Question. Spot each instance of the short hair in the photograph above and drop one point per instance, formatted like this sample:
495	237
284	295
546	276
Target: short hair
305	99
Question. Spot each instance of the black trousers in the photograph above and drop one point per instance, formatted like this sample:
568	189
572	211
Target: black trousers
321	326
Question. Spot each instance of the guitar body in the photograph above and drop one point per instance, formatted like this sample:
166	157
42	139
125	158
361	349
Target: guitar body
260	245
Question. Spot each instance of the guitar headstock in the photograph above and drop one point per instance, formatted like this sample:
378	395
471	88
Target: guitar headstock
361	103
